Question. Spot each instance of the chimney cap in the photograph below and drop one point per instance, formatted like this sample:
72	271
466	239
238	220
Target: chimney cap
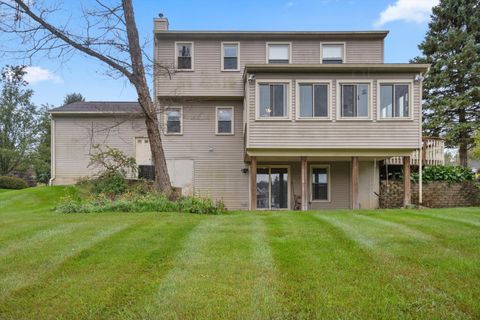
161	15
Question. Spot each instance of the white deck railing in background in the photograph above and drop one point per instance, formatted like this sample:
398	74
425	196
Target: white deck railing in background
433	154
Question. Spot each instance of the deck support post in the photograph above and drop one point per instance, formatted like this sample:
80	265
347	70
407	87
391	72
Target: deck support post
304	174
354	184
253	183
407	197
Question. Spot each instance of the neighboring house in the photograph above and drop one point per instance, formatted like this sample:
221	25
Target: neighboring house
262	120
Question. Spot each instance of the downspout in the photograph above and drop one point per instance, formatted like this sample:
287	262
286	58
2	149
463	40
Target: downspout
52	151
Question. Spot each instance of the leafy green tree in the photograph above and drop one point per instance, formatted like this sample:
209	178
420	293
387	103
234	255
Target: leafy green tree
73	97
42	157
451	89
19	125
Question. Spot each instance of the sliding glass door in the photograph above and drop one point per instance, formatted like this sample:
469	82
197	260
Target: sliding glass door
272	188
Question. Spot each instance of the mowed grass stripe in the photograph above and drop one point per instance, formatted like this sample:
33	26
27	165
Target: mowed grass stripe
400	255
318	264
26	267
216	275
456	218
110	279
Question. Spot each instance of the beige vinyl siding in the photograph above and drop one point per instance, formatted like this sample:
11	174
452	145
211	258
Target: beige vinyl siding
76	134
334	133
218	159
207	79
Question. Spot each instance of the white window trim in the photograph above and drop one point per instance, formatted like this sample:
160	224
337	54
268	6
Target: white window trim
297	99
341	82
344	44
270	185
288	117
410	96
267	50
325	166
232	132
238	56
166	120
176	56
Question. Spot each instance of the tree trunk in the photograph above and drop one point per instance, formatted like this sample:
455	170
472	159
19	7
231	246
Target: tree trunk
162	179
463	148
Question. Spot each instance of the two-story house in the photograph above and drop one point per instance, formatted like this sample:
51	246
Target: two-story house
262	120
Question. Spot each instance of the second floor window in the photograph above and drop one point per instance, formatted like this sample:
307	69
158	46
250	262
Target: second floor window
332	53
230	56
354	100
224	120
278	53
313	100
184	56
173	117
394	101
273	100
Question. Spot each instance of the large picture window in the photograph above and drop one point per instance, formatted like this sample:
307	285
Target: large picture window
354	100
320	183
394	101
184	55
313	100
273	100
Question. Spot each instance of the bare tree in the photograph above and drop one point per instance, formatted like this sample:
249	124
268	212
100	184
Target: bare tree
105	31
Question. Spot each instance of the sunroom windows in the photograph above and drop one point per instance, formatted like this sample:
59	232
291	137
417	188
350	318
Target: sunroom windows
354	100
273	100
394	100
313	100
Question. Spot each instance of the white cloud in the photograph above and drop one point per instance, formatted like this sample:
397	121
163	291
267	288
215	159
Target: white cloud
38	74
407	10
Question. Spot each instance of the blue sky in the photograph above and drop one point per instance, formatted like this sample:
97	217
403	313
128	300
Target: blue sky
405	19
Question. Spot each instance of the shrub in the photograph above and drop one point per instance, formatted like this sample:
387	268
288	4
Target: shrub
112	161
109	183
450	174
132	202
7	182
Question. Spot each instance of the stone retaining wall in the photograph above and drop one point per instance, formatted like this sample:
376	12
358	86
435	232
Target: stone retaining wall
435	194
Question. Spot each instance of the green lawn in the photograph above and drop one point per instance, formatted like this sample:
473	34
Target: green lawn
338	264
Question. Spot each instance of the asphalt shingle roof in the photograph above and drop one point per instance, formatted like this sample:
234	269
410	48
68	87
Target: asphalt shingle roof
99	106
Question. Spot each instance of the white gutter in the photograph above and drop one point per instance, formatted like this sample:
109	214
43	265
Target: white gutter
52	151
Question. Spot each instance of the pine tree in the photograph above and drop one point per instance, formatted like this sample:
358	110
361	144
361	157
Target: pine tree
451	89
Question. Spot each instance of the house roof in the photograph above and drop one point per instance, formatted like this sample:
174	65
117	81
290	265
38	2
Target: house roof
273	34
98	107
339	68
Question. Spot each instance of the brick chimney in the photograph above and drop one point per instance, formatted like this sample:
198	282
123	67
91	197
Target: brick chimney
160	23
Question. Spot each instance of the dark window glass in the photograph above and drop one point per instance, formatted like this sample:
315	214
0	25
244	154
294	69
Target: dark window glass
279	178
319	184
230	56
273	100
348	100
394	101
263	189
224	120
313	100
354	100
174	124
184	56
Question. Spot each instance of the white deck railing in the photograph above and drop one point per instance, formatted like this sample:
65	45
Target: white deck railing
433	154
